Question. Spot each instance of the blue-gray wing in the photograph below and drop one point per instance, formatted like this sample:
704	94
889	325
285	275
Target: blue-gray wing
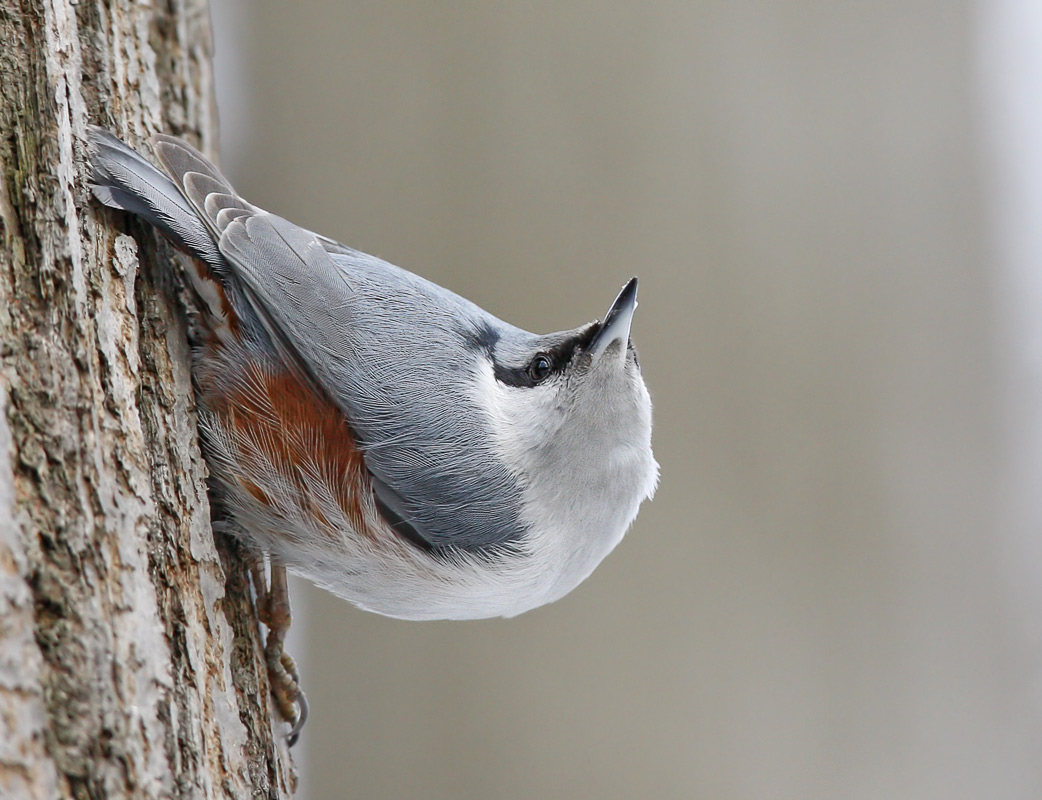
393	351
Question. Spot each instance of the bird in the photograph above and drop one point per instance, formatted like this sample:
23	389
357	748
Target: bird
378	434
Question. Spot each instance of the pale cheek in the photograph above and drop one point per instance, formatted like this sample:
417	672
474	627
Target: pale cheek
523	420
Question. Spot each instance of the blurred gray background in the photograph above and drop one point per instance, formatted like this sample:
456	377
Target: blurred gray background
835	210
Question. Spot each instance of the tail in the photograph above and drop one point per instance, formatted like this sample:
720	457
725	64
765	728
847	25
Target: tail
121	178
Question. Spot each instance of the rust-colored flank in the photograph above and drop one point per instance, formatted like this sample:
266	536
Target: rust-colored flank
305	436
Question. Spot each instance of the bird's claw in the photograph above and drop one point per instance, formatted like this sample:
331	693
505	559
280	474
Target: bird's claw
274	611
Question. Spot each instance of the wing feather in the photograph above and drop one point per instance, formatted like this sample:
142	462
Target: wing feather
392	350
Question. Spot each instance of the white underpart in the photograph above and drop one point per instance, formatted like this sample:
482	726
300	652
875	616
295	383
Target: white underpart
583	480
585	465
384	574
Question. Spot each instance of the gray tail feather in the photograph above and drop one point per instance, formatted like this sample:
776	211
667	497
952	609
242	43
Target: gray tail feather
122	178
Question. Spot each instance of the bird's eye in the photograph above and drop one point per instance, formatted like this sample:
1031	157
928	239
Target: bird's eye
540	368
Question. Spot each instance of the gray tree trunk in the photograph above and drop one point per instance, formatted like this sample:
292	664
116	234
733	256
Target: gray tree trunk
129	652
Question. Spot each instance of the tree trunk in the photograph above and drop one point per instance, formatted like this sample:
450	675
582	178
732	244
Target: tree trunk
130	659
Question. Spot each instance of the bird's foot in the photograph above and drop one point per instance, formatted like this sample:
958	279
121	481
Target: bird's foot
274	611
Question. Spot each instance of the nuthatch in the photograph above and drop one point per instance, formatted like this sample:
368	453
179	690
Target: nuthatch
380	435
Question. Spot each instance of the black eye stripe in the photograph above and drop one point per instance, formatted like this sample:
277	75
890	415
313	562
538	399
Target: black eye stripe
535	372
520	377
559	356
565	351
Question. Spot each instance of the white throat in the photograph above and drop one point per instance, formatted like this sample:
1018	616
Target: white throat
583	483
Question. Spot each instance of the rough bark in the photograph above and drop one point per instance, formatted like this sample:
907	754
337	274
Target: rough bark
129	653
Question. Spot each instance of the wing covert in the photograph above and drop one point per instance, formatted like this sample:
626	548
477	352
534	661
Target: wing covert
390	349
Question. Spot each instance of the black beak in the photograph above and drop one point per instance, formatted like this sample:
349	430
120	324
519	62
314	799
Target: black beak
616	325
